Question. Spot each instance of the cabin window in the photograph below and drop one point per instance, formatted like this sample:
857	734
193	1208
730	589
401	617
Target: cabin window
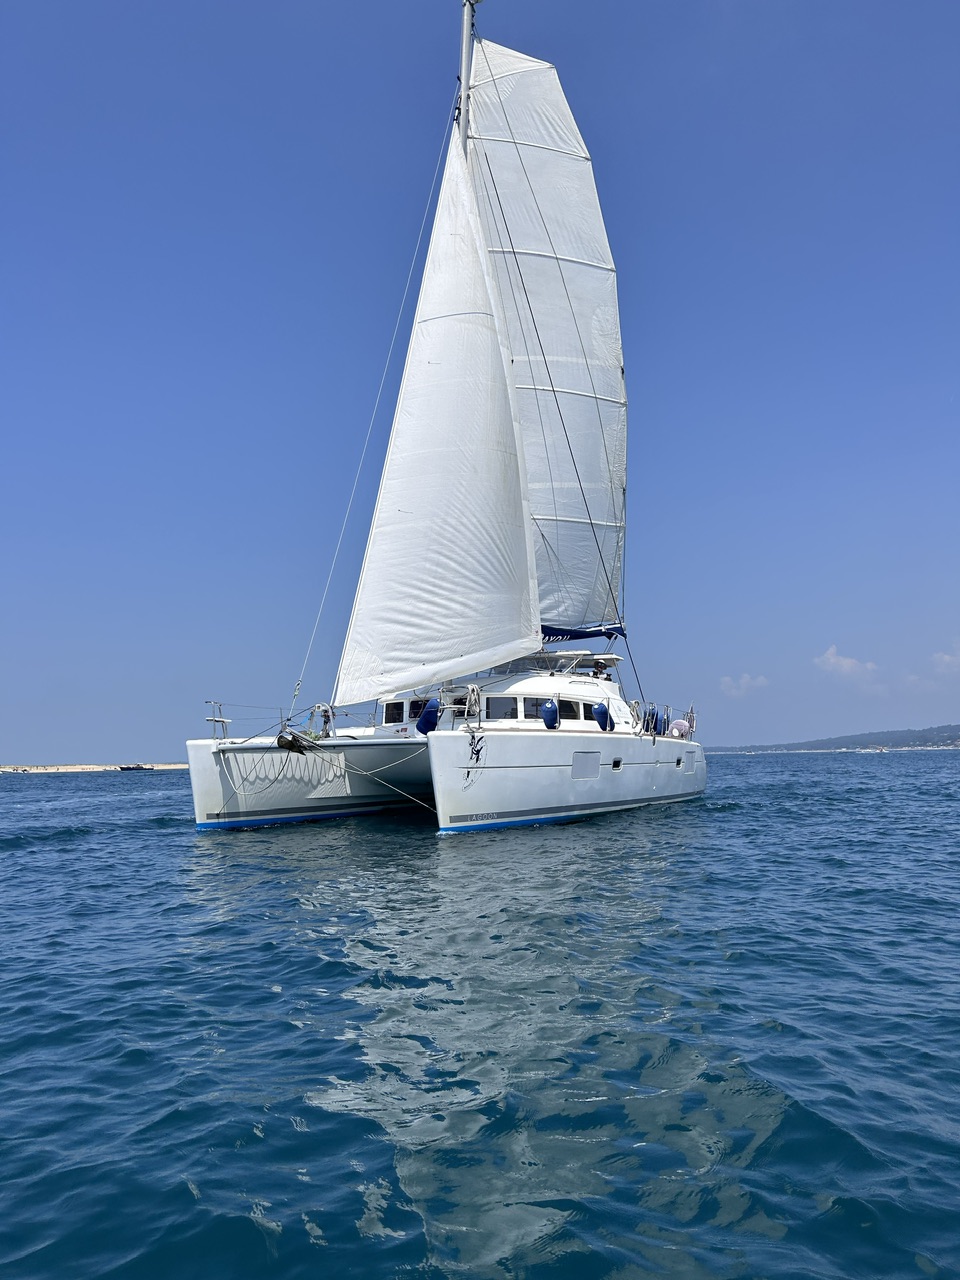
533	707
459	708
416	708
501	708
393	713
617	764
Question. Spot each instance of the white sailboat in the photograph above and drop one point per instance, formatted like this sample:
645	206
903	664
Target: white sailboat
499	525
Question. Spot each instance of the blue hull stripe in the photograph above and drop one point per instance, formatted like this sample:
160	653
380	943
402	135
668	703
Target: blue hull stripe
566	813
239	823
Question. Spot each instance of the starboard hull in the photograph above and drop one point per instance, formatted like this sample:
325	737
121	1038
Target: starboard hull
515	777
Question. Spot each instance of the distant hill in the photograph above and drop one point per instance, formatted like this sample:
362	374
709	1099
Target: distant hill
944	735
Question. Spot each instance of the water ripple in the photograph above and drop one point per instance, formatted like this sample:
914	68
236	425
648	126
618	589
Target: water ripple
714	1041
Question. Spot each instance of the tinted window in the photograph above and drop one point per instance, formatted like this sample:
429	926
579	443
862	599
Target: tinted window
501	708
416	708
393	713
532	708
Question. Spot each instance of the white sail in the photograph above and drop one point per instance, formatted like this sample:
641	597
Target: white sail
448	584
547	244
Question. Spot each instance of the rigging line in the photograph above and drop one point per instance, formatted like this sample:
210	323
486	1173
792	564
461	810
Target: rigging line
511	251
527	354
563	280
536	329
553	248
506	250
636	673
553	388
515	408
610	592
246	777
550	552
383	783
334	746
376	406
623	570
260	733
246	706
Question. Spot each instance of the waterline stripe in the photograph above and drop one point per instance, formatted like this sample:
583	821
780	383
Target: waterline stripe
294	813
533	815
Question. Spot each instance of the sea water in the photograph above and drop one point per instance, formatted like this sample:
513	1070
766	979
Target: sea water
718	1039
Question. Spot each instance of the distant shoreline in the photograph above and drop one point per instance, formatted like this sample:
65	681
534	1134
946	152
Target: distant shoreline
936	738
87	768
820	751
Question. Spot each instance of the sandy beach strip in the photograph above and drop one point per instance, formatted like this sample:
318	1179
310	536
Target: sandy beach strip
86	768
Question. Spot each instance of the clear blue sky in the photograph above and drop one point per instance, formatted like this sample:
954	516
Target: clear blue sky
208	214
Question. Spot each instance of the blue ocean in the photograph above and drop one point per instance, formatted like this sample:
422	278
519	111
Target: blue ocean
715	1040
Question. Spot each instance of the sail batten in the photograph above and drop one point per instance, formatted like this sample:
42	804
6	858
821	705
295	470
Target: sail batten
570	391
533	146
597	524
554	257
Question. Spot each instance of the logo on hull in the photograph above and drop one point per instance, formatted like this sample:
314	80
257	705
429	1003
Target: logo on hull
477	745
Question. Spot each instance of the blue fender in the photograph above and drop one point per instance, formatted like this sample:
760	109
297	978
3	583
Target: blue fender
429	716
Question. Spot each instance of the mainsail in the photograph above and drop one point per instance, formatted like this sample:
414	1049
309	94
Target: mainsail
501	506
558	291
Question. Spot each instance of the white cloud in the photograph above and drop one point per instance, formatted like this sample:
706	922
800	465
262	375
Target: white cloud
920	684
849	668
947	663
737	688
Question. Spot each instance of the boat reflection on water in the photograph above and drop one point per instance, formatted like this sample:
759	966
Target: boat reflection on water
545	1093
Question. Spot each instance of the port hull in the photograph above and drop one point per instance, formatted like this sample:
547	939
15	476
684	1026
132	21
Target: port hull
255	783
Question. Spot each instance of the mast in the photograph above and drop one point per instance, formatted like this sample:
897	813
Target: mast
466	42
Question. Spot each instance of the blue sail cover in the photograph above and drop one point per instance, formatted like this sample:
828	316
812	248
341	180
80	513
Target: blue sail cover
580	633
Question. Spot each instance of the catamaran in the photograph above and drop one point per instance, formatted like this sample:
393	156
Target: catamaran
499	528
